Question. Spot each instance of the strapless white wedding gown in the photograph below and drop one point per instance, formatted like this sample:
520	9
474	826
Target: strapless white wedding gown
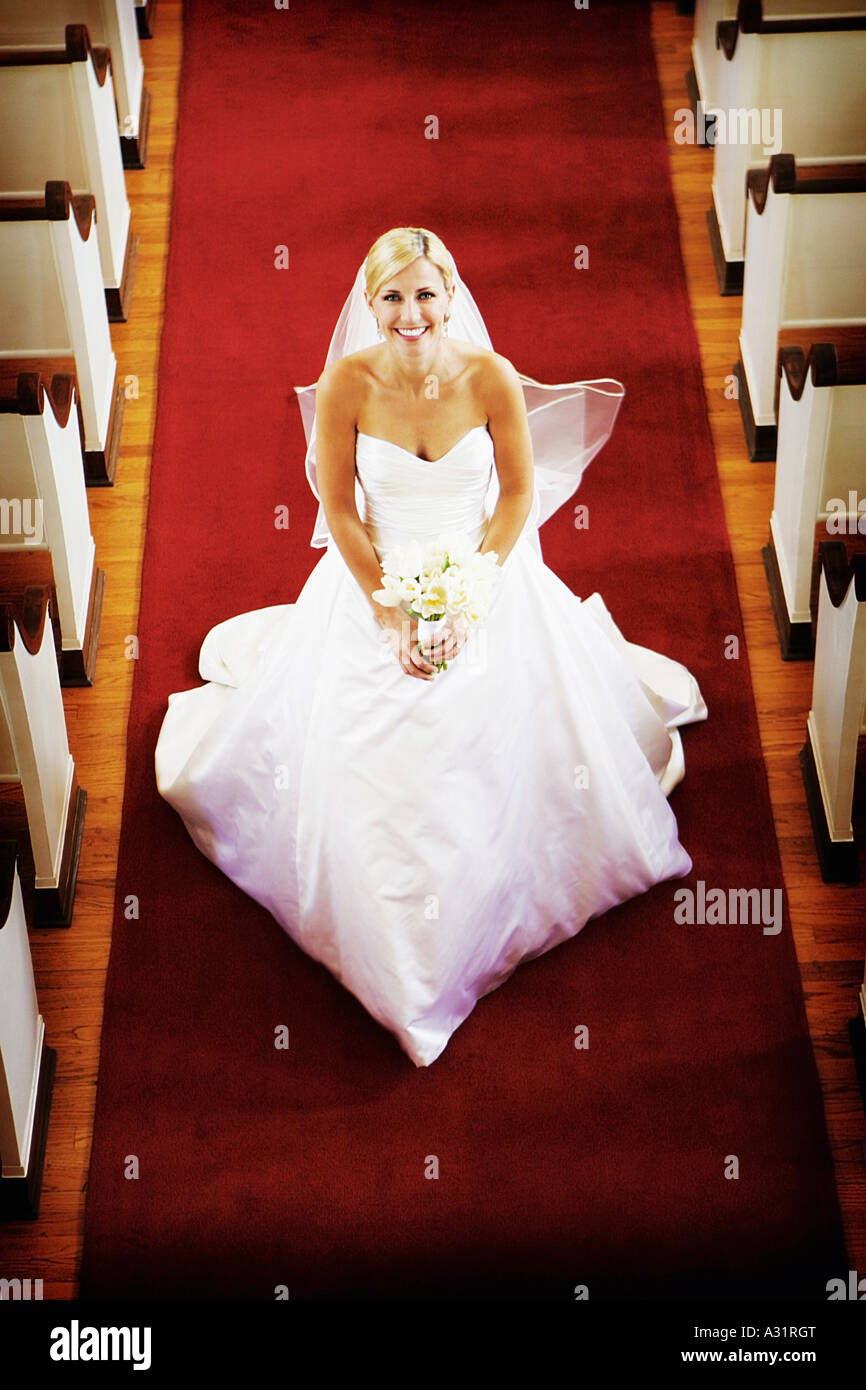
421	838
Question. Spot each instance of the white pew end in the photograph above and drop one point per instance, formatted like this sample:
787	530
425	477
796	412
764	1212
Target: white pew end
829	756
820	473
34	753
111	24
59	120
52	306
44	514
27	1065
796	80
805	267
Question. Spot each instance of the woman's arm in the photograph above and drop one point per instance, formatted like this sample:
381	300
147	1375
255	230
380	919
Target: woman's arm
336	413
503	400
337	401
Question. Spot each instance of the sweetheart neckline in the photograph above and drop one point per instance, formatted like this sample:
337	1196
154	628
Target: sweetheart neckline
379	440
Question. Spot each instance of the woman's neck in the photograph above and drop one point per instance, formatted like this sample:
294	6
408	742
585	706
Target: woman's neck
415	377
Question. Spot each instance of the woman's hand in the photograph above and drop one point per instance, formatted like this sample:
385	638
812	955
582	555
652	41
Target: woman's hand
447	643
401	634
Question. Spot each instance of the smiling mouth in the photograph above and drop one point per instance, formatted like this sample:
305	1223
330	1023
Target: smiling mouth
411	332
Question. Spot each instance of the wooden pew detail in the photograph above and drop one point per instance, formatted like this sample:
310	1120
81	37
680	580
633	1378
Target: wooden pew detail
822	421
34	752
804	74
702	77
52	306
27	1064
58	115
40	444
761	17
145	15
111	24
828	757
133	146
805	265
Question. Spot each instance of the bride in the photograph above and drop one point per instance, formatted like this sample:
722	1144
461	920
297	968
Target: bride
421	834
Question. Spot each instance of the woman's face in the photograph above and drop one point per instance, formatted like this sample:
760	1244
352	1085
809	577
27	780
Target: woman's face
411	308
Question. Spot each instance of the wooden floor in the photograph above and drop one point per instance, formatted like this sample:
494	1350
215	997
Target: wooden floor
70	965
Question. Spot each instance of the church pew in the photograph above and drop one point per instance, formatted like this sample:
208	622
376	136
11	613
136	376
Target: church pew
40	471
805	265
110	24
782	84
820	471
35	756
27	1064
702	77
828	757
59	121
52	305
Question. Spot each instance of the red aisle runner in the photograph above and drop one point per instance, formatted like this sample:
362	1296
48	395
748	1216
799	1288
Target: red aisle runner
305	128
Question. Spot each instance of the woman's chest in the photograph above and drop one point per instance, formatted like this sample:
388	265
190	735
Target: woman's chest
428	427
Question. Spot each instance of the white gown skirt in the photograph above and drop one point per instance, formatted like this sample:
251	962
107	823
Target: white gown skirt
422	838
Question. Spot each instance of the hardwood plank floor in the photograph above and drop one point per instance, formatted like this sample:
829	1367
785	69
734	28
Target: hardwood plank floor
70	966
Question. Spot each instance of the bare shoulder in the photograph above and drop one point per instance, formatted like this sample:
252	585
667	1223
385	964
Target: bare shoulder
488	370
342	386
498	381
498	371
339	376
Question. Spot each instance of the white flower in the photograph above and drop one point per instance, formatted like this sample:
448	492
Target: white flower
455	549
445	576
458	591
391	595
404	561
434	598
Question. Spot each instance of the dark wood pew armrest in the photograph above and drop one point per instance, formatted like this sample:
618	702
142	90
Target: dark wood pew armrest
27	392
77	49
832	358
23	611
785	177
750	20
839	569
57	205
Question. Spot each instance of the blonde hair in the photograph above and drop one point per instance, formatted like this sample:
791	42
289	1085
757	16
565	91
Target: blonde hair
398	248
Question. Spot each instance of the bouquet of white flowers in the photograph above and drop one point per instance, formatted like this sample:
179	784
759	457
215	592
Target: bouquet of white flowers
444	580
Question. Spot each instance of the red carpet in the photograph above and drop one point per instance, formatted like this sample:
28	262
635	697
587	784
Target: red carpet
557	1166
